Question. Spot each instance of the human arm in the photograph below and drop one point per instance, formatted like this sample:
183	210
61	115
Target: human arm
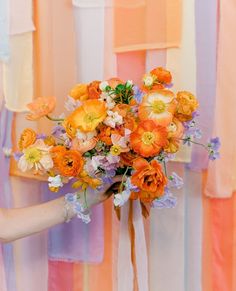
21	222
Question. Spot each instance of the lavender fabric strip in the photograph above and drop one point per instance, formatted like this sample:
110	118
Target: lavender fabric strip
206	49
76	241
4	30
5	197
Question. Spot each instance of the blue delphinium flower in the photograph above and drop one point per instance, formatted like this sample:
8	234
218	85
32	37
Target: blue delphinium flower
213	148
175	181
138	94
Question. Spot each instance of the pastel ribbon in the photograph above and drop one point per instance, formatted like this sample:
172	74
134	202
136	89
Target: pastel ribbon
182	63
6	198
221	174
156	24
206	17
4	30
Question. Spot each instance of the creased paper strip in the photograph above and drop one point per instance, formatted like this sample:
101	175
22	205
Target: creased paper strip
4	30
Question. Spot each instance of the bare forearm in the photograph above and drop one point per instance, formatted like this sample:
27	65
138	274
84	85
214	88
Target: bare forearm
21	222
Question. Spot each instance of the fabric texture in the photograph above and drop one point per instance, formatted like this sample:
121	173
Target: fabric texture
157	24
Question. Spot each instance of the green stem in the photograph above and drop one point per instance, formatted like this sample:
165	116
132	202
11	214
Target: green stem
122	180
85	198
194	142
54	119
165	169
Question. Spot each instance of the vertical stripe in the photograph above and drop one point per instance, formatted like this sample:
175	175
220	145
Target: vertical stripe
182	64
131	66
167	243
193	230
61	276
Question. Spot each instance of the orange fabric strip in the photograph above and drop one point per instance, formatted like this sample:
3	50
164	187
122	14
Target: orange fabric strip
157	24
100	275
220	216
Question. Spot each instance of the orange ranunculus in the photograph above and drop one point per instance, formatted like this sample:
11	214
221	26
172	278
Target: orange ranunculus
27	138
70	127
83	145
113	82
159	106
162	75
70	163
175	132
186	104
149	178
172	145
88	116
122	109
86	181
127	159
41	107
56	153
105	134
50	140
130	122
94	91
79	92
148	139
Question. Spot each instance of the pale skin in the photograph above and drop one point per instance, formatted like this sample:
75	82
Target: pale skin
21	222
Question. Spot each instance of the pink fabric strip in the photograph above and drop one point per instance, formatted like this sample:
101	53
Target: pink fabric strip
222	172
3	286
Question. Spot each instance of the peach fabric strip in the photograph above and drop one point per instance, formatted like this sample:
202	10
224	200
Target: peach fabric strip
155	24
55	51
221	176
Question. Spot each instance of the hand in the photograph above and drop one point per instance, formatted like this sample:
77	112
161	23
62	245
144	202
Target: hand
93	197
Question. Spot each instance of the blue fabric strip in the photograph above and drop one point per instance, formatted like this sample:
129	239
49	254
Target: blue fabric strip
5	186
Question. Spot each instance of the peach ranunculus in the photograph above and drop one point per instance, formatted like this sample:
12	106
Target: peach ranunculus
83	146
186	104
148	139
27	138
113	82
94	90
79	92
70	163
162	75
158	106
88	116
149	178
175	132
70	127
41	107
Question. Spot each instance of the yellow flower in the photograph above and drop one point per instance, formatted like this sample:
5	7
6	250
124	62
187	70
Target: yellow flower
33	155
115	150
88	116
86	181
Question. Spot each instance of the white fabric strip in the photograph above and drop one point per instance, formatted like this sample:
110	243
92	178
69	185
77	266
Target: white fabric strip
166	263
124	269
182	63
193	230
90	43
140	247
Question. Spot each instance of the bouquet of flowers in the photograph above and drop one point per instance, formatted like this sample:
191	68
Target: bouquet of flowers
115	128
